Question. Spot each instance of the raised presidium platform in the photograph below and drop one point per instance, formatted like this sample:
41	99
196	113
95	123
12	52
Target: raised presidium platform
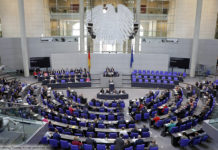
211	127
110	95
156	79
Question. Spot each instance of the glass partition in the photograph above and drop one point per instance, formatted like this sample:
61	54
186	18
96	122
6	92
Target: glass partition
18	123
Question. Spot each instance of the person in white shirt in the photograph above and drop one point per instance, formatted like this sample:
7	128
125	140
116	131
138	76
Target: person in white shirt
123	131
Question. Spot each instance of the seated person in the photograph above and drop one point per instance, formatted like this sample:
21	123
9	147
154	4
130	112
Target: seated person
135	130
121	121
139	141
127	144
90	141
196	136
171	125
123	131
179	122
153	144
100	121
78	131
56	135
67	129
119	143
145	129
91	128
76	142
155	120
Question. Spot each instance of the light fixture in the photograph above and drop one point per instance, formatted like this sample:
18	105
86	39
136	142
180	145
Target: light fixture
111	26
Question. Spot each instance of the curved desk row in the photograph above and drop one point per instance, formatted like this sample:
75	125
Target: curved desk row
69	84
112	96
100	140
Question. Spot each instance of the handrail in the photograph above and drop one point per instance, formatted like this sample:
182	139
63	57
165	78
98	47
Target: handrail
17	104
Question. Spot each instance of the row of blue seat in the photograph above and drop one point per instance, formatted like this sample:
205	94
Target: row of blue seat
66	145
152	72
155	77
186	142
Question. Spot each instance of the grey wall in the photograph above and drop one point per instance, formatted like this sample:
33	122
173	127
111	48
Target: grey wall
10	50
208	50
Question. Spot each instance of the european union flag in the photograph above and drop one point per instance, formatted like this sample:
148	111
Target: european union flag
131	59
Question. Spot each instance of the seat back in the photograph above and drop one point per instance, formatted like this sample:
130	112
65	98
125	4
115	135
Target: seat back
74	147
184	142
133	134
174	130
113	135
111	117
131	126
101	126
87	147
196	141
64	144
129	148
145	134
53	143
121	125
101	135
159	123
101	147
138	117
153	148
140	147
44	140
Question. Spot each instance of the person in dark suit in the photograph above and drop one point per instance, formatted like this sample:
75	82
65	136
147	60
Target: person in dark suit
179	122
119	143
153	144
135	130
67	129
90	141
91	128
127	144
121	121
56	135
78	131
139	141
145	129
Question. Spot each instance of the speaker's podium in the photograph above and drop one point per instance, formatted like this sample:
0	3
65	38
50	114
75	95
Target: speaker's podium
111	86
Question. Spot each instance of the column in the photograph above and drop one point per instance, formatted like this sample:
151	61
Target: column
138	11
195	44
81	13
25	56
129	46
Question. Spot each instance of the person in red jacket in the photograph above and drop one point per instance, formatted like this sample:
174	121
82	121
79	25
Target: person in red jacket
155	120
71	109
76	142
141	106
162	111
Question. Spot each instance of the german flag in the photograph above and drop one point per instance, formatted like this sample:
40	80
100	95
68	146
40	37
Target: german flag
89	60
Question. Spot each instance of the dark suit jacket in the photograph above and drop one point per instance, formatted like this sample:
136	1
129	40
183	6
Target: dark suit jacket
119	144
139	142
90	141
